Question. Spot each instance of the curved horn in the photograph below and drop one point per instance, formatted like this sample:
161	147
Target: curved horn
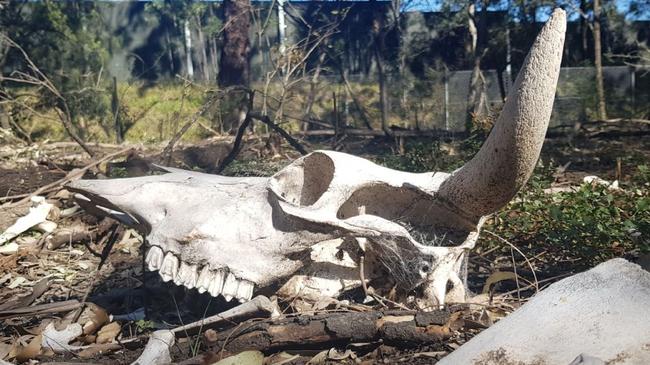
506	160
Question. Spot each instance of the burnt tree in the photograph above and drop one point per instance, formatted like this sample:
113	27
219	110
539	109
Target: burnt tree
234	67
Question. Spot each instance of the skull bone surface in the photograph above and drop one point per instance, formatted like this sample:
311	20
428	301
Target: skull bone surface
308	225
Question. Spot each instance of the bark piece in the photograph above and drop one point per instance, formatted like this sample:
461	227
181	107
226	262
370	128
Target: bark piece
326	330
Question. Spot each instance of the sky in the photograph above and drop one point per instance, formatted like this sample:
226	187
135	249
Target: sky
622	6
433	5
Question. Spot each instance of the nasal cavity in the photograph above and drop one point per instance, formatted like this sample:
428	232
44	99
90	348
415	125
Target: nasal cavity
306	180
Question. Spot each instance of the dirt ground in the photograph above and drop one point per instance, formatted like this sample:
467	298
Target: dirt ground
38	277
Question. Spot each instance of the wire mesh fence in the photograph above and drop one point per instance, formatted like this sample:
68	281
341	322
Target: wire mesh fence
440	99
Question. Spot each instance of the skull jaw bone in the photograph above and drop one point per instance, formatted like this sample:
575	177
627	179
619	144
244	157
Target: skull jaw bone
328	195
201	237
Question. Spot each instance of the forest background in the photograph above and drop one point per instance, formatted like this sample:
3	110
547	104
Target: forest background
134	70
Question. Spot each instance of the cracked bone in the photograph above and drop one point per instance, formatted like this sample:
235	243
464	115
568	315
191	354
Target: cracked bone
59	341
417	227
258	306
600	314
157	350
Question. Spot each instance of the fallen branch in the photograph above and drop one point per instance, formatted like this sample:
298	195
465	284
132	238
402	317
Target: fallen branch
403	328
41	309
292	141
236	146
439	133
625	120
166	154
603	128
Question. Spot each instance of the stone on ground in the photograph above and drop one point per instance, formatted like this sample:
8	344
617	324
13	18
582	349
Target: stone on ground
598	316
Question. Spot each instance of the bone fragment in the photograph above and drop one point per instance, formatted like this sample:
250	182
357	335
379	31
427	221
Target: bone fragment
136	315
602	313
37	214
157	350
59	341
595	180
46	226
260	305
9	249
243	358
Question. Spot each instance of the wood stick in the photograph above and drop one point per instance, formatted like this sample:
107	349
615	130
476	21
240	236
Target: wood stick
40	309
335	328
379	133
292	141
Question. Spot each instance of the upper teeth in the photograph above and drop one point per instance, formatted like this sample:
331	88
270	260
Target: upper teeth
215	282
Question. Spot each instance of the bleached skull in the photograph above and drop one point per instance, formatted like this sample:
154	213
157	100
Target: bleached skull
230	235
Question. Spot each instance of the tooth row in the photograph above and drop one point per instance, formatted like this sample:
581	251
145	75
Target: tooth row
215	282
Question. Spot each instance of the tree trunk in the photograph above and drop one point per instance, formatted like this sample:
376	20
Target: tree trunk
396	6
115	108
584	28
313	82
600	88
214	56
477	98
188	49
170	52
379	32
4	119
234	68
383	98
281	27
205	67
4	116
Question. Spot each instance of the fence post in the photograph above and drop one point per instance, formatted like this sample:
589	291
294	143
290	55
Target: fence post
446	80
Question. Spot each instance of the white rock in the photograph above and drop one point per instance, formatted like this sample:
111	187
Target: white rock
601	314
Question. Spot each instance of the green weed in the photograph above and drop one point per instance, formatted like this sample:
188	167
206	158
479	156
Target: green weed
587	226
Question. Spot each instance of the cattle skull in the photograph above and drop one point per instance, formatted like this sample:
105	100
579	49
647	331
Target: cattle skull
230	235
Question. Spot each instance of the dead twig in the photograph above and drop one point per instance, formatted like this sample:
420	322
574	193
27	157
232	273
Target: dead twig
41	309
532	269
166	155
292	141
112	238
41	80
236	147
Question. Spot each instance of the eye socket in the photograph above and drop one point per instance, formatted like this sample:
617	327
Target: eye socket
425	268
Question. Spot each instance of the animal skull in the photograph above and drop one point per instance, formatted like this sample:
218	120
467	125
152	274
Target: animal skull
228	235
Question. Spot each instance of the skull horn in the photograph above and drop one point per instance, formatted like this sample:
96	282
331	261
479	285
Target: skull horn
507	159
